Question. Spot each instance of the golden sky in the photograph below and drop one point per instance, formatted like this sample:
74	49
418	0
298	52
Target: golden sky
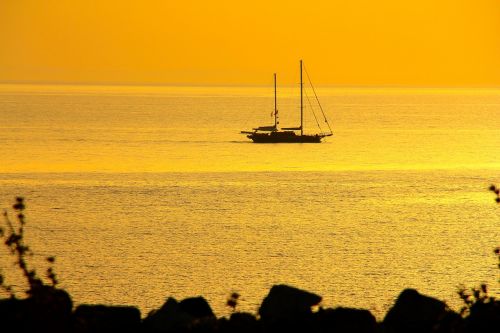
343	42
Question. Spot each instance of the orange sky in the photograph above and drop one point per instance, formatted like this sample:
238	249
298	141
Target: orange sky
355	42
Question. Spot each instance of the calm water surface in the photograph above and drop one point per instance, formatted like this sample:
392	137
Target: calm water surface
149	192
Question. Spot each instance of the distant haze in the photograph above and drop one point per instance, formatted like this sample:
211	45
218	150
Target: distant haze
357	42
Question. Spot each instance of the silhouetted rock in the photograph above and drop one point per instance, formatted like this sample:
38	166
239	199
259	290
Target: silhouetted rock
284	302
13	314
196	306
47	310
102	318
188	315
414	312
240	322
483	317
51	309
343	320
167	318
451	322
287	308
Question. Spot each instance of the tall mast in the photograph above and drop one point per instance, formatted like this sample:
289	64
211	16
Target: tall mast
275	105
301	103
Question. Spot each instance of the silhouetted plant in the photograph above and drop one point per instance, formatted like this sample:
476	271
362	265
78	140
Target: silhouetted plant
474	296
497	252
14	240
495	190
232	301
479	295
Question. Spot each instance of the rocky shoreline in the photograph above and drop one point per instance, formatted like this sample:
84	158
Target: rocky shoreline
284	309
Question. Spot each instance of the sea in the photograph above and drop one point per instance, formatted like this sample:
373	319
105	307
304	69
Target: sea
149	192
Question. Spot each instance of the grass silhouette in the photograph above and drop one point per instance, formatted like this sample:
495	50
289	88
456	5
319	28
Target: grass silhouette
13	235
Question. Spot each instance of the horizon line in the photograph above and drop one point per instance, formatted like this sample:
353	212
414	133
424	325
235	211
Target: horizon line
236	85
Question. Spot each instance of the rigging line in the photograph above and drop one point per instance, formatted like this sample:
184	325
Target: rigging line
312	109
317	99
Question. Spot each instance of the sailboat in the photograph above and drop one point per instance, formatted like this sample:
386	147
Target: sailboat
273	134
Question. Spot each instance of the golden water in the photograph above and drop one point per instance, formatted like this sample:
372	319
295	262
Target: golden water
149	192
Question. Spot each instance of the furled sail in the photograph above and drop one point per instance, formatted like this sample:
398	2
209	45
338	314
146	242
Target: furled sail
266	128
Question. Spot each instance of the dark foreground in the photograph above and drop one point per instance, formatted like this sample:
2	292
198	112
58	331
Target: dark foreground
285	309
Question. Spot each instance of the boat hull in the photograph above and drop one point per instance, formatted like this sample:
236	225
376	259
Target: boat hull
284	137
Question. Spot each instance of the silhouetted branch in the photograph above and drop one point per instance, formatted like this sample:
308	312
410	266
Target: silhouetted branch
14	240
